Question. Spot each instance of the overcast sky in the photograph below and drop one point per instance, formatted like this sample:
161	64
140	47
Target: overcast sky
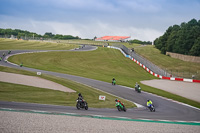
141	19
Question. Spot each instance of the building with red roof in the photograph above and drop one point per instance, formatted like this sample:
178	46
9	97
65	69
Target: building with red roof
113	38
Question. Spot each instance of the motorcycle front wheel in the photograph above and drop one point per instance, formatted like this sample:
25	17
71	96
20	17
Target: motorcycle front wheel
78	106
119	109
124	109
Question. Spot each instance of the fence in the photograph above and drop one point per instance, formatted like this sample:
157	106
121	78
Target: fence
184	74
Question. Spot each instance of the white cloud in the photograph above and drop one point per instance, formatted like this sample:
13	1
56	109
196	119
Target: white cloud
83	30
140	5
101	29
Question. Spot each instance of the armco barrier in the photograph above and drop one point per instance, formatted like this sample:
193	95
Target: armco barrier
151	72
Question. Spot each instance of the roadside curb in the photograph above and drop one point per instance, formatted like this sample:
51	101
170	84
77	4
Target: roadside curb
194	123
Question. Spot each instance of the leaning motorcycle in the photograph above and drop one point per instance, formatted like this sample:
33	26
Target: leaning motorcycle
80	103
152	108
120	107
138	89
113	82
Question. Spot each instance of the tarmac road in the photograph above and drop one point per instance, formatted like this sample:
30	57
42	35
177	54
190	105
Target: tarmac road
165	109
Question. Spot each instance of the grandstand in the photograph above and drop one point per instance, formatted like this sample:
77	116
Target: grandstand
113	38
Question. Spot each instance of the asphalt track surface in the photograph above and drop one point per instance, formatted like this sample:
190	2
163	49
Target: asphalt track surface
165	109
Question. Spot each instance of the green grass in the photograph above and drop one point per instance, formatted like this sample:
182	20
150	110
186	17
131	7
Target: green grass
102	64
8	44
22	93
175	66
91	42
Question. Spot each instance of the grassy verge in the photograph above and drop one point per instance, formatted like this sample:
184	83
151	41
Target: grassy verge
174	66
102	64
22	93
8	44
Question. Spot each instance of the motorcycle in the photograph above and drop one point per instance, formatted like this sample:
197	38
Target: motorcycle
113	82
80	103
120	107
138	89
152	108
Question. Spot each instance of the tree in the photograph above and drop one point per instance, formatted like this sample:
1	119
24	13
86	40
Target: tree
180	39
195	48
139	42
26	34
48	35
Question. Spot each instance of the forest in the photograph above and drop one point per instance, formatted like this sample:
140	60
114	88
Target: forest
182	39
23	34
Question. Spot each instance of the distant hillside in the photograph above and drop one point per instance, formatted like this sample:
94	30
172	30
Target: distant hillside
182	39
21	34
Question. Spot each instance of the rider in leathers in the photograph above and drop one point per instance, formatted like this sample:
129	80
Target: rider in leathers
116	100
80	98
149	103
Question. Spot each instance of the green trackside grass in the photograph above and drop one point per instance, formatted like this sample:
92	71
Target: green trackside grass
22	93
102	64
9	44
92	42
167	63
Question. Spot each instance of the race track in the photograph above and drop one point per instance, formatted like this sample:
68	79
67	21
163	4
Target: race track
165	109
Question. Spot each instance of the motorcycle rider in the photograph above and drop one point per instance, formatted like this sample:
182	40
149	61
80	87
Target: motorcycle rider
21	65
149	103
80	98
116	100
113	80
137	85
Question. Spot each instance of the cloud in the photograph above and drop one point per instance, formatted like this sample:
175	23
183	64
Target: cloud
142	19
83	30
148	6
100	29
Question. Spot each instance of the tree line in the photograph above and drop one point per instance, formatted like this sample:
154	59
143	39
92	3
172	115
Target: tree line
140	42
182	39
26	34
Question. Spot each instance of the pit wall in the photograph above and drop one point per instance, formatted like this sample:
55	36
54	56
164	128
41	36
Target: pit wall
151	72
